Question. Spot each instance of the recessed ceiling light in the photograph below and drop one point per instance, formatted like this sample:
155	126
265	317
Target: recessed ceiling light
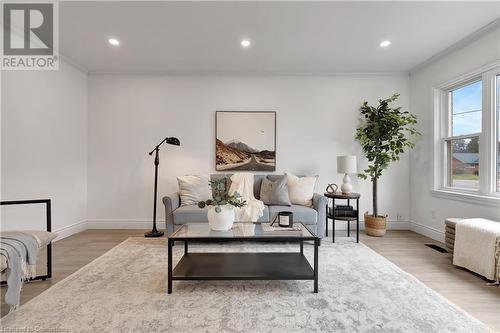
385	43
245	43
114	41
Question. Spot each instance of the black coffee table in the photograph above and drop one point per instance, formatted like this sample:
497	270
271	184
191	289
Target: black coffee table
242	265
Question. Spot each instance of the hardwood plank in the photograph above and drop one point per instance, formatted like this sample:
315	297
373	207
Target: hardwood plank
71	254
467	290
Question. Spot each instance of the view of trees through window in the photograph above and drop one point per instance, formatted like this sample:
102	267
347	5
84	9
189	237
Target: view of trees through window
463	145
465	163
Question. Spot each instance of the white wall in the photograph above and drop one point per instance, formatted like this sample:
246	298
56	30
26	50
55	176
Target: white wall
428	212
44	147
316	121
47	128
45	137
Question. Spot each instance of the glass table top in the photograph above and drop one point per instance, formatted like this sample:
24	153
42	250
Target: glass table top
240	230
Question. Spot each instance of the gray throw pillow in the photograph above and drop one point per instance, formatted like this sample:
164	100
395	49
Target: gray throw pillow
275	192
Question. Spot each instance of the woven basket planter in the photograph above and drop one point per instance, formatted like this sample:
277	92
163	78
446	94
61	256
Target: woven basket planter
375	225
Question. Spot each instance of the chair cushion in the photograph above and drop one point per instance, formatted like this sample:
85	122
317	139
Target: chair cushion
194	214
302	214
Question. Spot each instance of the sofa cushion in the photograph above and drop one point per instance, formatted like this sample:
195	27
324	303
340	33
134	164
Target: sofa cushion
275	192
194	214
302	214
191	213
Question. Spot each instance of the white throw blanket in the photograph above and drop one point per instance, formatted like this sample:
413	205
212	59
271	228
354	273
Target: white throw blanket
243	184
475	246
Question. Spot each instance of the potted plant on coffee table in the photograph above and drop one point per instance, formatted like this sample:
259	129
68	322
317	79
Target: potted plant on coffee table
385	133
221	215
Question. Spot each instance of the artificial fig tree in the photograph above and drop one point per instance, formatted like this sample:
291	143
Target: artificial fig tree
385	133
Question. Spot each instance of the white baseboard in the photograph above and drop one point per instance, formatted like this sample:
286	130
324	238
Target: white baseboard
104	224
146	224
123	224
70	230
425	230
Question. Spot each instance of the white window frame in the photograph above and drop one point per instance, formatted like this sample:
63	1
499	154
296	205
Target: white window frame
487	191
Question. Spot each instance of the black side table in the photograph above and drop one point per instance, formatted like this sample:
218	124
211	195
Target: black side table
331	215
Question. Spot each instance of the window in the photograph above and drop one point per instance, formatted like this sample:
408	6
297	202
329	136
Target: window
468	152
465	109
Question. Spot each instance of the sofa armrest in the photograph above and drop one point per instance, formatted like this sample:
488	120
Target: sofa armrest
320	203
171	202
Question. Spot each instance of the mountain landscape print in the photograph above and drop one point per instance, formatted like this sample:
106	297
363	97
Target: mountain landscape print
245	141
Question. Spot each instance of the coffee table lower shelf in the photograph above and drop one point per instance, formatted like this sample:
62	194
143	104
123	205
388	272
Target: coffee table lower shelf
243	266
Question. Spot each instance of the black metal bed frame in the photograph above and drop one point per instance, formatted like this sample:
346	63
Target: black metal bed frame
49	228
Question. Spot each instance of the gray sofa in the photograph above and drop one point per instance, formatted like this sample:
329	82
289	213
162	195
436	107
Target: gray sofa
314	217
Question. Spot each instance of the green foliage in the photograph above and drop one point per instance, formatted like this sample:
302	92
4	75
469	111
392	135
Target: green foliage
466	145
385	133
220	196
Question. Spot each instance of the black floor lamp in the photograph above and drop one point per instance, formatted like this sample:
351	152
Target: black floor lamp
171	141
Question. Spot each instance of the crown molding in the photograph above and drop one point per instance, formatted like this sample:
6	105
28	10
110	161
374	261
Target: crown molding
458	45
251	73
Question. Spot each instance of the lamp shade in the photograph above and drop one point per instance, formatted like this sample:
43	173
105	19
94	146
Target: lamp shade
173	141
346	164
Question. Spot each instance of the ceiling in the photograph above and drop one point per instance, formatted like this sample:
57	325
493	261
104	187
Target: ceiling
287	37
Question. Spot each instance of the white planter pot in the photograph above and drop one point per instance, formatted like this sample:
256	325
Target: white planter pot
223	220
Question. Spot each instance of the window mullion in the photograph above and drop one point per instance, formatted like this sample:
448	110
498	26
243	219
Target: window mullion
465	136
486	148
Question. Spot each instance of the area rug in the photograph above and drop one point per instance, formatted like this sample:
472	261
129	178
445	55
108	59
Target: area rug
124	290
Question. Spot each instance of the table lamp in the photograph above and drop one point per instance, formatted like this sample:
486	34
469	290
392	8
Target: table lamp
346	165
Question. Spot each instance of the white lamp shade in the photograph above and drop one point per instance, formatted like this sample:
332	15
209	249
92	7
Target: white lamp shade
346	164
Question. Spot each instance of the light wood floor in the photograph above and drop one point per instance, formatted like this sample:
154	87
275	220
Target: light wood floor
406	249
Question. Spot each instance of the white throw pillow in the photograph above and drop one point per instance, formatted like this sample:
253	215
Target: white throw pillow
301	189
192	189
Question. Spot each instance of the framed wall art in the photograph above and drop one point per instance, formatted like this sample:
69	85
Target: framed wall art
245	141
